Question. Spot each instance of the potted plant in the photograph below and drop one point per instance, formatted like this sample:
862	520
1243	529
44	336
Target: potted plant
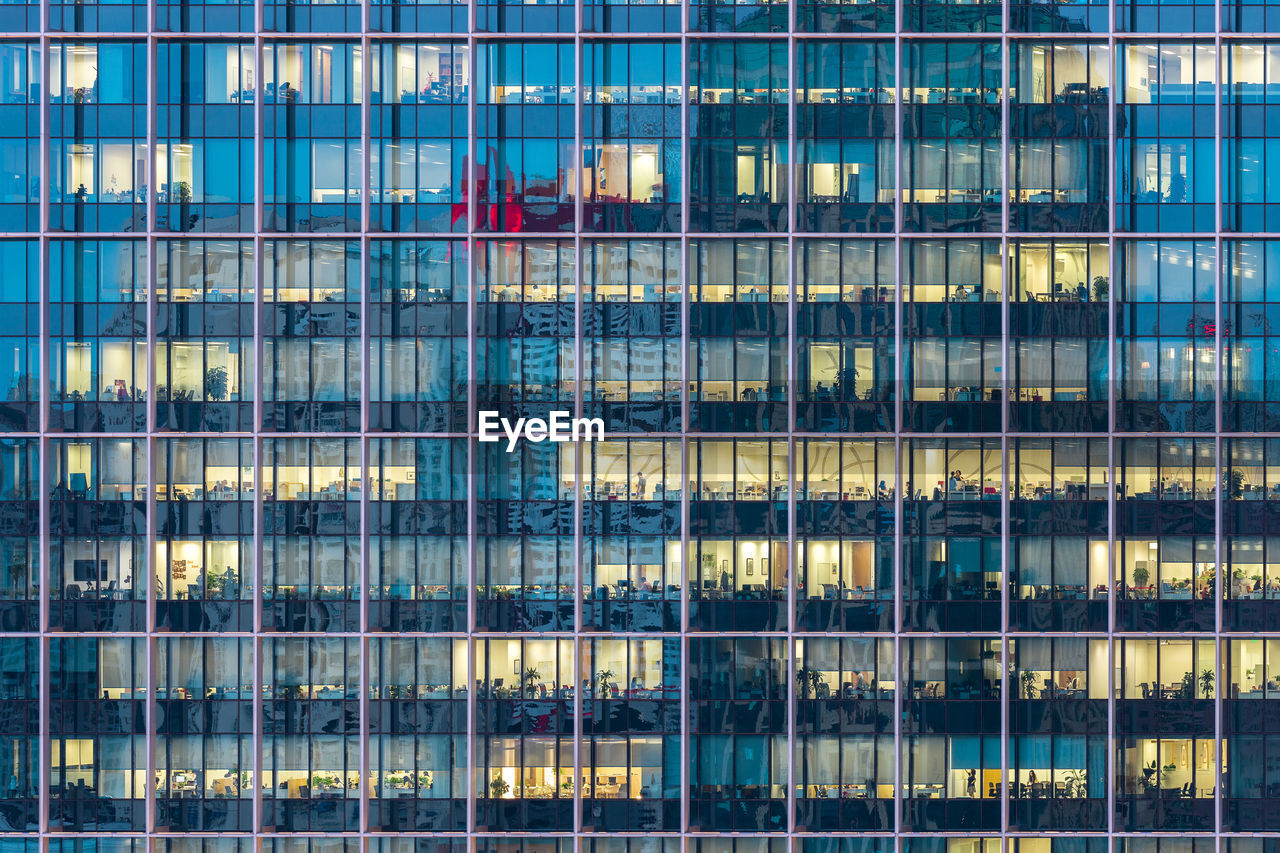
1100	287
1189	685
498	787
1233	484
1029	688
324	782
1140	576
215	383
1149	777
530	678
1206	683
603	679
808	680
1075	782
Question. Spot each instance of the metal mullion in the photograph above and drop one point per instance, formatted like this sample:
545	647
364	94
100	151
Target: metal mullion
473	480
576	450
365	785
1113	389
259	273
44	752
1005	385
148	558
686	448
1219	741
793	169
899	447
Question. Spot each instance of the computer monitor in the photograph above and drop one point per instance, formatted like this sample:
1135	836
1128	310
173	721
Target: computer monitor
84	570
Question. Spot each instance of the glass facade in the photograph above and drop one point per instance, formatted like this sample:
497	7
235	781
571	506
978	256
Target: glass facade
935	348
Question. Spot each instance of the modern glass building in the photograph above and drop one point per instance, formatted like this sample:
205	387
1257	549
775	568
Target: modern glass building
939	358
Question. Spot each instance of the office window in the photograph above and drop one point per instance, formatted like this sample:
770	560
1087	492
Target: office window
97	493
213	769
737	352
204	181
419	96
97	692
631	159
1164	158
844	119
524	561
1251	359
312	176
1058	162
951	128
846	775
19	137
419	771
312	320
846	349
97	153
204	355
953	358
631	322
525	182
738	781
738	169
99	355
845	16
202	563
1167	358
21	388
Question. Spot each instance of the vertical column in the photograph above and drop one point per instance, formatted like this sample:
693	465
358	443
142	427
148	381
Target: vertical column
43	756
899	380
793	472
1112	391
473	479
366	159
1005	284
579	451
148	557
1220	278
687	459
259	248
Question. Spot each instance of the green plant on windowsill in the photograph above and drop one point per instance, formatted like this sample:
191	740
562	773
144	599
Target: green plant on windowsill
1149	776
530	678
1206	683
324	782
498	787
1075	782
1233	484
1101	285
808	680
603	679
216	383
1029	688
